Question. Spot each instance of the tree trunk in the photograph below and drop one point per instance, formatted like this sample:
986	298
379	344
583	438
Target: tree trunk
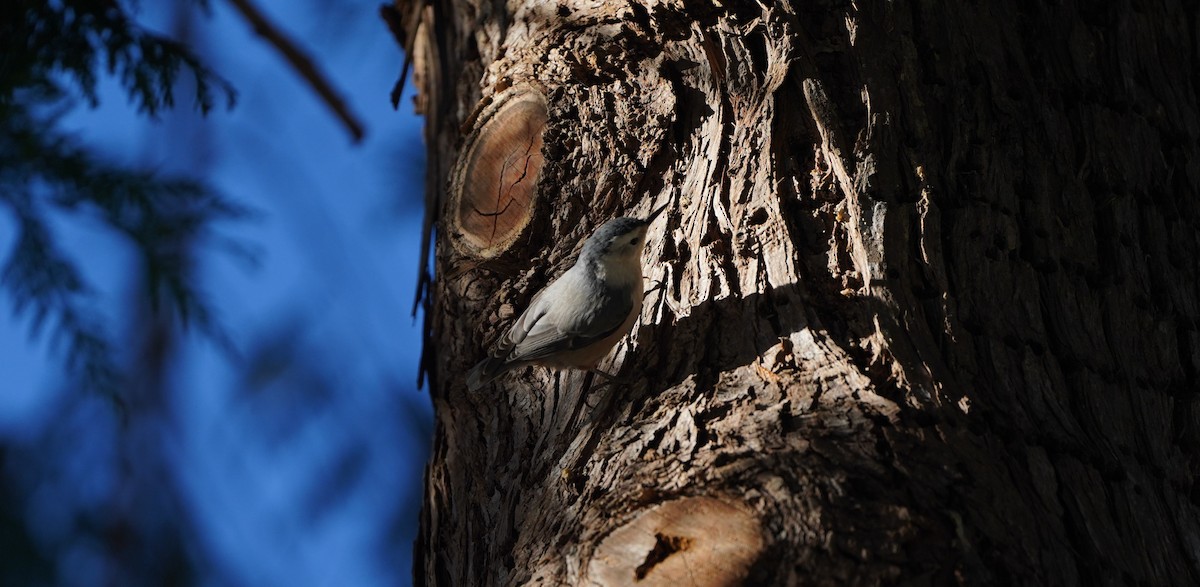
923	308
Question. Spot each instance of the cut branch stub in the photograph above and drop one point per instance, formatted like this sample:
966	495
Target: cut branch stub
492	197
698	541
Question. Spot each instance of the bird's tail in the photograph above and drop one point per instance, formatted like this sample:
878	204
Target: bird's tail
485	372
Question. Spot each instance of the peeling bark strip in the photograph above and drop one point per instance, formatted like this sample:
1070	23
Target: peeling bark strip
927	292
495	186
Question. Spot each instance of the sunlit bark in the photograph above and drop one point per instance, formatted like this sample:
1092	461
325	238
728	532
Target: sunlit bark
923	306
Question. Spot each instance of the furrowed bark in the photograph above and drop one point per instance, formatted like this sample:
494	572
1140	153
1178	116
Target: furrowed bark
922	309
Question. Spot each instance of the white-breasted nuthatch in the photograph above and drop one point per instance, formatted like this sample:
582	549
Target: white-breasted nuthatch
577	319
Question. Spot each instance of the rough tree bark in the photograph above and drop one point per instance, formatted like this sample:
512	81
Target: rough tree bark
926	306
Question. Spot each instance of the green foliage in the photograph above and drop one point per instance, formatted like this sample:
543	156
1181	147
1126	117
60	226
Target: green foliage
51	55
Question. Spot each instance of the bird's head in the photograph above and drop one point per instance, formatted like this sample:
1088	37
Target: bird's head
619	240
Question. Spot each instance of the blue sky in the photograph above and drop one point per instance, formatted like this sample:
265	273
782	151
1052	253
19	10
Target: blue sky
336	235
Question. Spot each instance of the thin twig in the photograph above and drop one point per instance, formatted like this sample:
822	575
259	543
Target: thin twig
405	37
301	63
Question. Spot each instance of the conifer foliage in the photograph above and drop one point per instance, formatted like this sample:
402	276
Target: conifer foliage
52	54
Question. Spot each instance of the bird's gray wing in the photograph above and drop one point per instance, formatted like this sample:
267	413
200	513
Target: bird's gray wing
500	359
548	334
524	324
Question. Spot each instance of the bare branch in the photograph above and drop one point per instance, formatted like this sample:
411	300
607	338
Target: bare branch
302	64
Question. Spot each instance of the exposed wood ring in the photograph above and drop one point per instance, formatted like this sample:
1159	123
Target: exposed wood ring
699	541
496	181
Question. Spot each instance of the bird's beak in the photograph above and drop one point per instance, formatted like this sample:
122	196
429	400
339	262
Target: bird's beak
654	213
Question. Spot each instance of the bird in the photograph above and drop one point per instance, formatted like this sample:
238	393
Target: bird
577	319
